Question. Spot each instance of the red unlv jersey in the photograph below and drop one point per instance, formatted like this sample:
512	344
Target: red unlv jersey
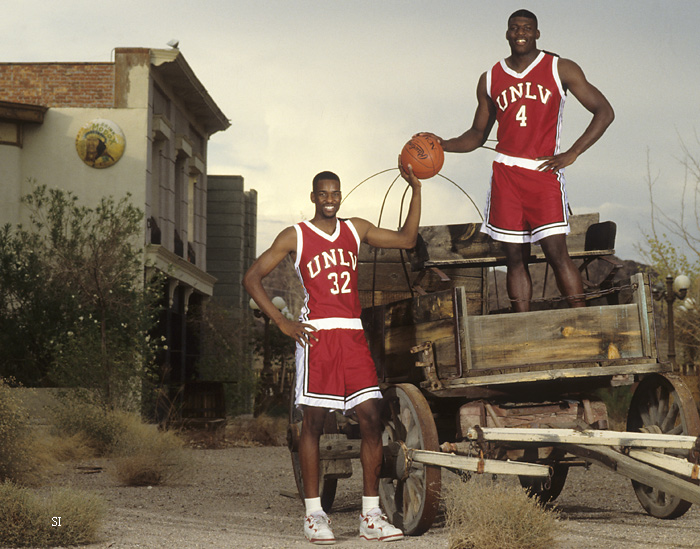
327	267
529	107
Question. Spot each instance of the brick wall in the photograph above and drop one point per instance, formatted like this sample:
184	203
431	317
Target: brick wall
58	84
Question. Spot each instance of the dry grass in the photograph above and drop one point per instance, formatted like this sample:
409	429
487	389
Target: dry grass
487	514
64	517
17	461
147	456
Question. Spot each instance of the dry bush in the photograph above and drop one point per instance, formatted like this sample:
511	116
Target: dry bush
97	425
147	456
52	448
27	519
487	514
17	462
260	431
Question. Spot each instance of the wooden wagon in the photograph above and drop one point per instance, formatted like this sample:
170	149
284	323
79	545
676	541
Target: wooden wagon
469	388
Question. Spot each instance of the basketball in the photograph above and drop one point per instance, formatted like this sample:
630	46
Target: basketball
424	154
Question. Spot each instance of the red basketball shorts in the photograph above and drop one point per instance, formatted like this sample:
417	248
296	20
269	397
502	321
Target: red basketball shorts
525	205
337	371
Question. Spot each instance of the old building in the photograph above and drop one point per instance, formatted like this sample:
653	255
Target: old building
138	124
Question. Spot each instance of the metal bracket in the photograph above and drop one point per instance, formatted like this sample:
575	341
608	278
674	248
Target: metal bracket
427	362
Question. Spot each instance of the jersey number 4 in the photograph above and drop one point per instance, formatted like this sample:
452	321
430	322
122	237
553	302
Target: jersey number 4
522	116
341	285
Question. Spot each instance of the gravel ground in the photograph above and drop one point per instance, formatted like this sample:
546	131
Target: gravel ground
246	498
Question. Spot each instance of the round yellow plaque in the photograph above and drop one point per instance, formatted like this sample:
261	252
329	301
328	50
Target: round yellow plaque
100	143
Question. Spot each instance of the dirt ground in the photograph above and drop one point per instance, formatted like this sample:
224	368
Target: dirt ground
245	497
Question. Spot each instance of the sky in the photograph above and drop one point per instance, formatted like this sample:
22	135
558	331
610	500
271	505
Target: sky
314	85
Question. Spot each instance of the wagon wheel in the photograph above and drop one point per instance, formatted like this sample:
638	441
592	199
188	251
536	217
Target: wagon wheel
411	502
548	489
662	404
327	486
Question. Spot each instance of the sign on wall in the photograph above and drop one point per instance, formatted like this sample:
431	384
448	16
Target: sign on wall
100	143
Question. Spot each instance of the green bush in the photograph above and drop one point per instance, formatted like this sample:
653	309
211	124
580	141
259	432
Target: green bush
64	517
488	514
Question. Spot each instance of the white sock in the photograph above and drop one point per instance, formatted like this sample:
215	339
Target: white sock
369	503
313	505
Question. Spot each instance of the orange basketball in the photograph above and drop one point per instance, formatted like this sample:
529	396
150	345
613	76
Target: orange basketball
424	154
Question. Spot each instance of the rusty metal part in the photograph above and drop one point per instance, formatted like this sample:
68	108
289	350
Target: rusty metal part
427	362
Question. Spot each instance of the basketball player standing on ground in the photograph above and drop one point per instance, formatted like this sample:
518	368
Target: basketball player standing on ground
335	370
527	202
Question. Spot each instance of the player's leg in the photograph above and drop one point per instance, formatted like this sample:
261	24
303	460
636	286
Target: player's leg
518	281
368	416
311	431
566	273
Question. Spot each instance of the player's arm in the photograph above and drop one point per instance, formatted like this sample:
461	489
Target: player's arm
284	244
405	238
573	79
484	119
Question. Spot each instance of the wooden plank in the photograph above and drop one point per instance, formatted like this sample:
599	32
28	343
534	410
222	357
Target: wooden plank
586	437
384	276
600	369
592	333
446	243
401	339
500	260
485	466
636	470
672	464
640	299
463	327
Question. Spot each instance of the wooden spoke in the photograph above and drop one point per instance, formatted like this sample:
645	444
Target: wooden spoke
662	404
410	502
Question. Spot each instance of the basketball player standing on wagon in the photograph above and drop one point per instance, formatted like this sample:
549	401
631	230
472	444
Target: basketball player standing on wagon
335	370
527	202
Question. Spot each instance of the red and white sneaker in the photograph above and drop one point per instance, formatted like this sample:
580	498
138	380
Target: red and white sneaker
375	527
317	529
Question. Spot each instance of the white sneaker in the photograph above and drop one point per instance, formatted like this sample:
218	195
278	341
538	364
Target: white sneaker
317	529
374	527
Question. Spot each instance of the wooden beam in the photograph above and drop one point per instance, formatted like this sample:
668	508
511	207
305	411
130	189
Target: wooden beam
566	371
487	466
672	464
636	470
586	437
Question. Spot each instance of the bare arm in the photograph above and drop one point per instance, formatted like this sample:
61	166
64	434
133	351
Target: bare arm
484	119
405	237
573	79
284	244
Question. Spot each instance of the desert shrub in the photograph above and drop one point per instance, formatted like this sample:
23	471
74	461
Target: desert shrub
27	519
16	459
147	456
97	425
488	514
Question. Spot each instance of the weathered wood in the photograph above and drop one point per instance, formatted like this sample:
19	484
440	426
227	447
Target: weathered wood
636	470
486	466
672	464
550	373
563	414
585	437
592	333
462	244
338	446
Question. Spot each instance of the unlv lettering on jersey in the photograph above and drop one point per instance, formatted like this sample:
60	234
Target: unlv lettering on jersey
522	90
331	258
